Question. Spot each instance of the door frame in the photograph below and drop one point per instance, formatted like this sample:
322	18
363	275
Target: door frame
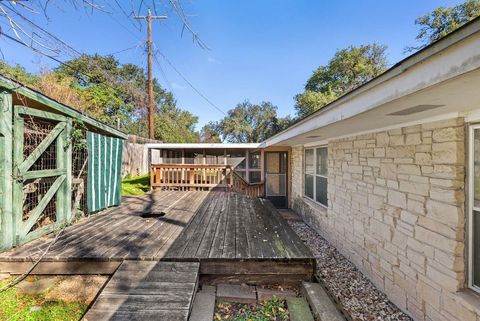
287	180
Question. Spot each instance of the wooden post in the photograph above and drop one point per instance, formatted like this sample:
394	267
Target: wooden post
17	182
67	185
6	137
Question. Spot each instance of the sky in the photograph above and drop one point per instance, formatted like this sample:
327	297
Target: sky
258	50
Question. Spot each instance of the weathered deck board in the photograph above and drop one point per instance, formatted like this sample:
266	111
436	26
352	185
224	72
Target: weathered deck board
142	290
198	226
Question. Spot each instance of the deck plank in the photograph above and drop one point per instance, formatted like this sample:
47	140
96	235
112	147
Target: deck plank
142	289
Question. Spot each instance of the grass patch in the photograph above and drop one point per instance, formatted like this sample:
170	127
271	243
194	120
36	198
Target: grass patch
137	185
274	309
17	306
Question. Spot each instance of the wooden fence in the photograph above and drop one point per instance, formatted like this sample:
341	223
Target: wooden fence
135	156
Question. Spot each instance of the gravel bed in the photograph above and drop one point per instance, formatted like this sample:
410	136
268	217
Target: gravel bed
357	295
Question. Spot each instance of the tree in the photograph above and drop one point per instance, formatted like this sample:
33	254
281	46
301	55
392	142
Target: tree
443	20
19	74
348	69
250	123
103	88
116	92
210	133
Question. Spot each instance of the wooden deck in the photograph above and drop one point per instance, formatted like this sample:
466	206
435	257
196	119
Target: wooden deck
150	290
228	233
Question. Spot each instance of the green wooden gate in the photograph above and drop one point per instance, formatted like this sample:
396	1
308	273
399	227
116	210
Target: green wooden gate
42	172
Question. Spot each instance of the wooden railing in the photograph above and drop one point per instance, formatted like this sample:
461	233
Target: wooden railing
188	177
201	177
239	185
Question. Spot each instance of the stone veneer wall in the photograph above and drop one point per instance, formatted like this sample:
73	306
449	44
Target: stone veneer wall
396	210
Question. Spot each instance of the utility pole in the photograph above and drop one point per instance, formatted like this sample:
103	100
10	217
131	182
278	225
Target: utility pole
151	98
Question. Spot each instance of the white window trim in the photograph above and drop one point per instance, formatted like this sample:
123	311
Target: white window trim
471	207
314	175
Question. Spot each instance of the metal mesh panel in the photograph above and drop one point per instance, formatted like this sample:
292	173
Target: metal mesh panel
35	132
79	172
33	192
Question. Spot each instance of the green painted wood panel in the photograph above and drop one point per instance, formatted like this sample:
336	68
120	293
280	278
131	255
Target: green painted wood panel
6	136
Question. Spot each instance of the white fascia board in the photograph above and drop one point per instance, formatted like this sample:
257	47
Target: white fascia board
204	146
452	56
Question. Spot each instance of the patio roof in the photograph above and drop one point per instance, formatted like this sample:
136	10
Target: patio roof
205	145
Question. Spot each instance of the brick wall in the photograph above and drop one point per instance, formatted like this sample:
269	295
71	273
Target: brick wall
396	210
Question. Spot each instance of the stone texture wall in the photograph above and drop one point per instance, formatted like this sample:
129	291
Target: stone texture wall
396	210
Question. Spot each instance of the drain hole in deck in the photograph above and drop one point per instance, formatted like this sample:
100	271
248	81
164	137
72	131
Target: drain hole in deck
153	214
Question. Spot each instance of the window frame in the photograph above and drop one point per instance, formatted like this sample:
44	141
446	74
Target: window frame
470	205
315	174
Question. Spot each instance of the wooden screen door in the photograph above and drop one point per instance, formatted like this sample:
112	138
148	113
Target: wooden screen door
42	172
276	178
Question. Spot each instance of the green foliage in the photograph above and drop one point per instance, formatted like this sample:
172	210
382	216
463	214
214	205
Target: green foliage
348	69
210	133
16	306
114	93
272	310
249	123
138	185
18	73
443	20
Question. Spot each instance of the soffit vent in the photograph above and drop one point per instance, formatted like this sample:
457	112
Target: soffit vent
314	136
414	110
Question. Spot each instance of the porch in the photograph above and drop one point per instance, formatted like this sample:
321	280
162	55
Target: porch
235	238
249	169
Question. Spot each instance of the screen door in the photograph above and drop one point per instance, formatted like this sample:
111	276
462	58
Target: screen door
276	178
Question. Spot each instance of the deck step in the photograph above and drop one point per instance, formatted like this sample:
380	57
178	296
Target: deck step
147	290
298	309
236	293
203	305
323	308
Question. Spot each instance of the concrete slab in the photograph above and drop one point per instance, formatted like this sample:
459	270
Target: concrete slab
203	307
299	310
267	294
236	293
322	306
209	289
37	286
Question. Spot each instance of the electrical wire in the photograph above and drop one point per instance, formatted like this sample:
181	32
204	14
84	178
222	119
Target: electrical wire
189	83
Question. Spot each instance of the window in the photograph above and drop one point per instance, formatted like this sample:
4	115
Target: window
254	170
474	209
316	174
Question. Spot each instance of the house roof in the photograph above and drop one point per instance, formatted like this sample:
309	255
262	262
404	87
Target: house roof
42	99
404	78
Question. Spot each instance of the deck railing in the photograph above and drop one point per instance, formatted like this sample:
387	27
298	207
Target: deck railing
188	177
201	177
239	185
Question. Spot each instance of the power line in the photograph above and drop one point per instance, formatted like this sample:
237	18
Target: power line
189	83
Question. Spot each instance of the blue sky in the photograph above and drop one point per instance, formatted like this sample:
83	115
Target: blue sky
259	50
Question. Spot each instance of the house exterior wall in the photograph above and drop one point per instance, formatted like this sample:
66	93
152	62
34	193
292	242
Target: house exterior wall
397	211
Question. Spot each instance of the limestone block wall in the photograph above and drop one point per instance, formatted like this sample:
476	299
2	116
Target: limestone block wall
397	211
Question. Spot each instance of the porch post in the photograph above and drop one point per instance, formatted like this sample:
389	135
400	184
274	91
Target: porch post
6	151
